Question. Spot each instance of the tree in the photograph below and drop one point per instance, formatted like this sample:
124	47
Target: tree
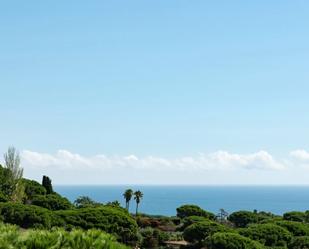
128	196
193	210
52	202
270	235
230	241
243	218
138	195
295	216
47	184
201	230
84	201
14	174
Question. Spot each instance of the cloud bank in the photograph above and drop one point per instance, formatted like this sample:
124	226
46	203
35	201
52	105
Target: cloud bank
219	167
220	160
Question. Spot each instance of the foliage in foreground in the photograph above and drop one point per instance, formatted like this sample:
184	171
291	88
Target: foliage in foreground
112	220
13	238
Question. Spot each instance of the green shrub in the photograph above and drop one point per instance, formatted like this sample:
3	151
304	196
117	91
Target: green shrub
52	202
13	238
201	230
267	234
243	218
295	228
3	198
193	210
109	219
295	216
28	216
33	188
152	238
191	220
230	241
300	243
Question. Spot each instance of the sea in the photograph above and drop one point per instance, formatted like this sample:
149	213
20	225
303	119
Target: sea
163	200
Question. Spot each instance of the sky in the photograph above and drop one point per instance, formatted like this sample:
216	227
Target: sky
156	92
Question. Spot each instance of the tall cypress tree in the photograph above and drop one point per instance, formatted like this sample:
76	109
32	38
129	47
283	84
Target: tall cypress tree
47	184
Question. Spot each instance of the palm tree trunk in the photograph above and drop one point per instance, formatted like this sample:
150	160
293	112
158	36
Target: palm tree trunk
136	209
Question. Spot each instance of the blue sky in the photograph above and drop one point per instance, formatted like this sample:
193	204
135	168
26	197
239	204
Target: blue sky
154	78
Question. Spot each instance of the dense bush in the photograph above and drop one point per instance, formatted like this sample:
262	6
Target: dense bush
295	216
109	219
85	202
193	210
52	202
12	238
295	228
191	220
300	243
201	230
152	238
33	188
28	216
243	218
267	234
3	198
231	241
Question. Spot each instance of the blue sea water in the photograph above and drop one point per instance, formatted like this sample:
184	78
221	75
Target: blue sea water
164	200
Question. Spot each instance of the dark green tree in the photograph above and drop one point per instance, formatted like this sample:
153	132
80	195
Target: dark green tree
193	210
138	195
47	184
231	241
243	218
128	196
84	201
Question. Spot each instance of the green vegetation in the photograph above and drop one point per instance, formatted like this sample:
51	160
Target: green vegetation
52	202
231	241
13	238
84	202
243	218
107	218
47	184
193	210
128	196
268	234
88	224
138	196
201	230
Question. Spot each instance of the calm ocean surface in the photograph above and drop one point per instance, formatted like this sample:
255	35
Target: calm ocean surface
165	199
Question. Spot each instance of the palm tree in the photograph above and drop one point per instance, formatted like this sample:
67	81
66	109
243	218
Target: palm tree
138	195
128	196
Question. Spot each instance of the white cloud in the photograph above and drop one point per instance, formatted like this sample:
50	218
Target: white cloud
300	155
67	167
219	160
